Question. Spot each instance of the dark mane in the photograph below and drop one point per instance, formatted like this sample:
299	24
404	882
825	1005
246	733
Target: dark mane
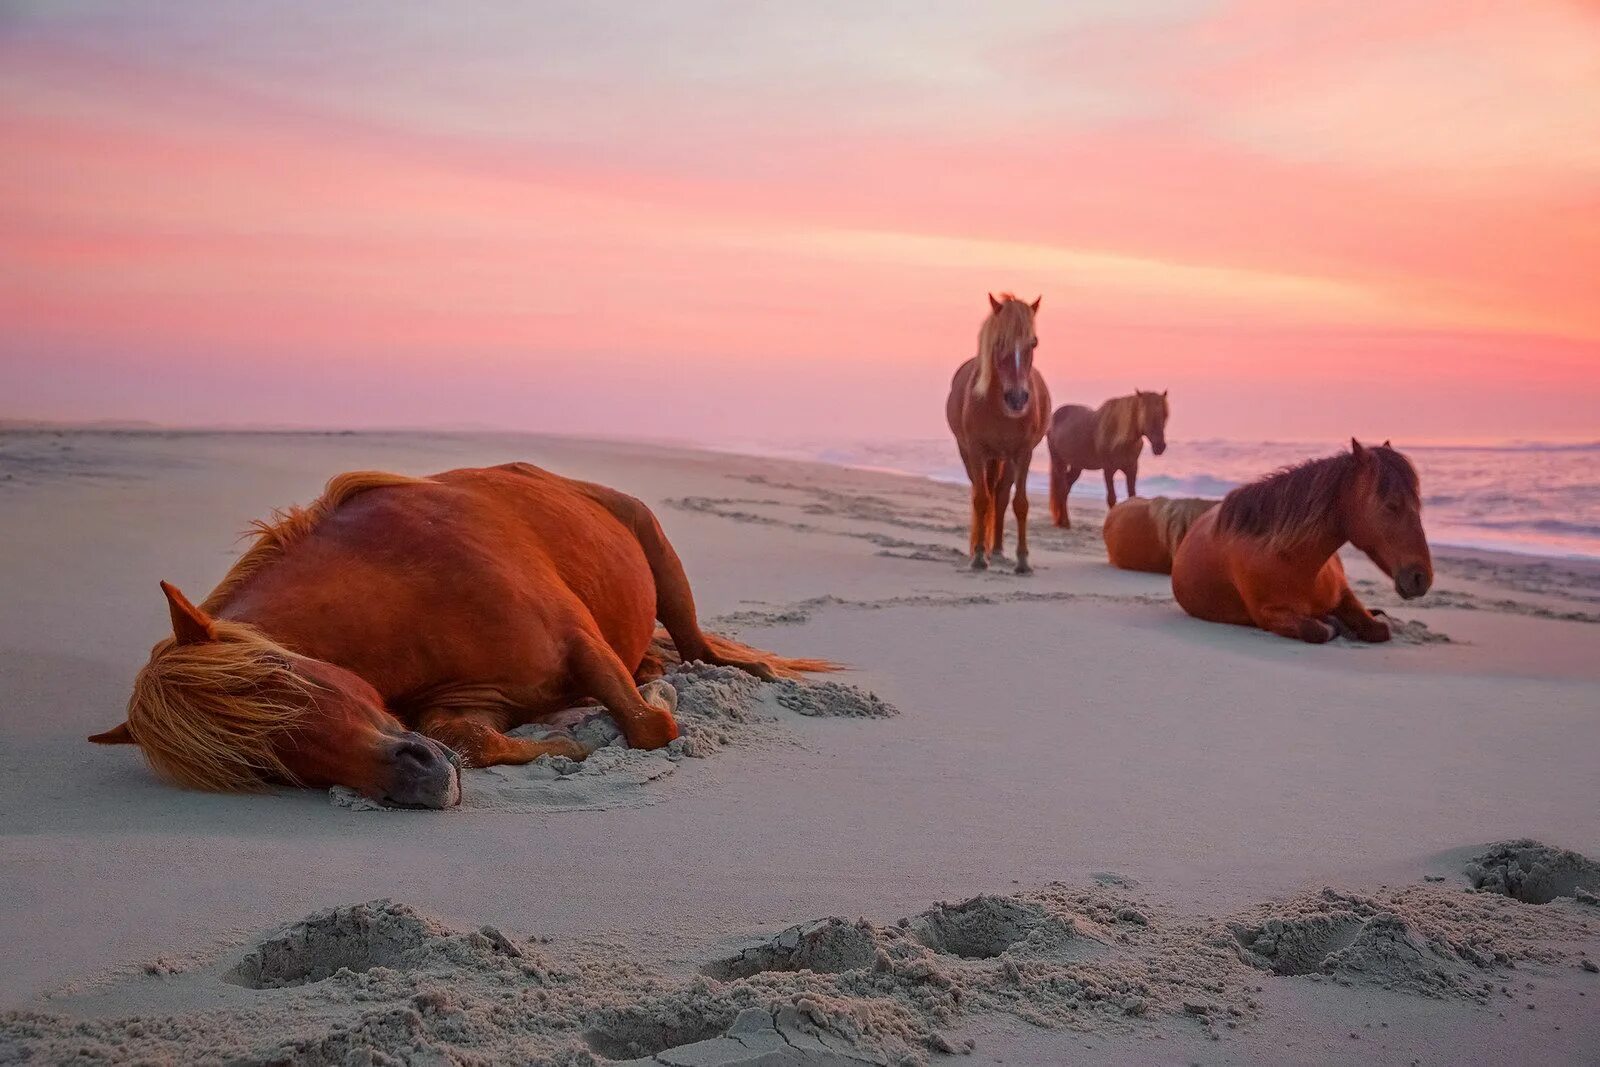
1299	503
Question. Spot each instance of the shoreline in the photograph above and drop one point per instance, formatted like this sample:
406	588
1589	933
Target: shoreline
1585	565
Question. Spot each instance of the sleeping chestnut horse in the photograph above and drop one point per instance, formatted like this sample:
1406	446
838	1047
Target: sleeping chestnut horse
1143	535
997	409
1107	438
400	623
1268	556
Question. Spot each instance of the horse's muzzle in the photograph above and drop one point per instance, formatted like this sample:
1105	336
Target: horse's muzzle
1412	582
1016	401
1158	447
423	774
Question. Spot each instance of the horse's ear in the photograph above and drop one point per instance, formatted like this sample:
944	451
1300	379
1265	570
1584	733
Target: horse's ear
190	625
1386	443
1163	394
1357	449
994	305
1035	305
117	735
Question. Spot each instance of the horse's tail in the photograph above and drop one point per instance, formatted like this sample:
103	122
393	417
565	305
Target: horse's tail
727	649
1058	492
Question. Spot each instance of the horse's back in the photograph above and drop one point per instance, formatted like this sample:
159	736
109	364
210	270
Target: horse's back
1071	435
467	574
1133	539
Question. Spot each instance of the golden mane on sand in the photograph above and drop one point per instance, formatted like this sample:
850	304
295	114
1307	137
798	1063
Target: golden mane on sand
206	714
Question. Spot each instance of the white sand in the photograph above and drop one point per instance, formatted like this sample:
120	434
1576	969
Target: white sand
1052	729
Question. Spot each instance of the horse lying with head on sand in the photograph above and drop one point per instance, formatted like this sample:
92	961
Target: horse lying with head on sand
1143	535
400	626
997	409
1109	438
1268	556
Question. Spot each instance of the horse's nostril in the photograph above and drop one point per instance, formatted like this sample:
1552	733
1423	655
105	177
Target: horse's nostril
416	753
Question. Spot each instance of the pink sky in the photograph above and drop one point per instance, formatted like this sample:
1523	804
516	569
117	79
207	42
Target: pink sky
726	222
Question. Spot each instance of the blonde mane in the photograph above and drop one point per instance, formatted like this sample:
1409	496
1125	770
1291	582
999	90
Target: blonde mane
1174	515
1005	326
288	525
1119	421
206	714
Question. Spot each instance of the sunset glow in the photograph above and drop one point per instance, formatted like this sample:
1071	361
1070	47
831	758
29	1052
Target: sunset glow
715	223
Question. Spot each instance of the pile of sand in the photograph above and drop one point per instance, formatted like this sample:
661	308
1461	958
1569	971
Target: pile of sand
381	983
717	708
1535	873
1423	940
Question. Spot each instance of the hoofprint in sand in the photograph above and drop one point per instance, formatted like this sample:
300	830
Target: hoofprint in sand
382	983
716	708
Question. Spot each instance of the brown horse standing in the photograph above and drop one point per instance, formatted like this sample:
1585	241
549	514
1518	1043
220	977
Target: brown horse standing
1107	438
1268	556
1144	535
997	409
360	640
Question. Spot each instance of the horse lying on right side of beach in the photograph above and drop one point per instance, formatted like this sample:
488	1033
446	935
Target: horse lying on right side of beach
1109	438
1269	555
1143	534
400	626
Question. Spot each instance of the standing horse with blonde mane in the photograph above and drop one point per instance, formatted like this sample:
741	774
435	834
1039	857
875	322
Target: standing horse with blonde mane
400	626
1269	555
997	409
1108	438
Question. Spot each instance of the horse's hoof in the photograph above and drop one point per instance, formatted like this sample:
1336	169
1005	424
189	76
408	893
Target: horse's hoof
979	563
1023	568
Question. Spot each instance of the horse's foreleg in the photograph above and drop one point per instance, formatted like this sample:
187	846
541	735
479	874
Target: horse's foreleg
1019	504
644	715
474	735
982	501
1111	486
1131	476
1001	497
1358	620
1293	625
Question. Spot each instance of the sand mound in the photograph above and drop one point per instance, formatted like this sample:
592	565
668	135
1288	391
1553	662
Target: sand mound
1424	941
380	983
717	708
983	927
1534	873
827	946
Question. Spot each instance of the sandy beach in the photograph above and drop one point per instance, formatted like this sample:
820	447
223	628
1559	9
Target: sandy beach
1051	819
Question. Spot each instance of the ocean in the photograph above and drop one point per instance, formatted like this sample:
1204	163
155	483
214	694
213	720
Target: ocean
1533	498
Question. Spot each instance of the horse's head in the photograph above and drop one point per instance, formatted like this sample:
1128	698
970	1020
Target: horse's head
1005	353
1383	517
222	707
1153	418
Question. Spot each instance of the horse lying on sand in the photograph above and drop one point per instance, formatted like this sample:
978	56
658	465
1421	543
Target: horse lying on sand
399	625
1108	438
1143	535
997	408
1268	556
